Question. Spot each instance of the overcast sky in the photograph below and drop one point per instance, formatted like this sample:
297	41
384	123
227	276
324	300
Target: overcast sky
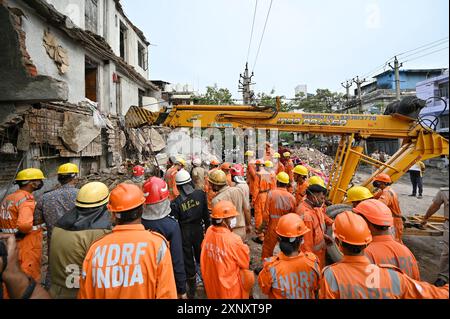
320	43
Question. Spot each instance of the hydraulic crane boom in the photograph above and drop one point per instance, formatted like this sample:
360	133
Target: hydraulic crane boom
419	143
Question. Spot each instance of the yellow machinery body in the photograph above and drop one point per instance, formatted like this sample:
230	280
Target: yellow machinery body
418	144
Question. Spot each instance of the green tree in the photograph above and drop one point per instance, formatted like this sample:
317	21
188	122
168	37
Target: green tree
324	101
214	96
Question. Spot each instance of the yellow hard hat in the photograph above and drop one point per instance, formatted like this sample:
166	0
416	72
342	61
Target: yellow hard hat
218	177
276	155
249	153
30	174
68	169
301	170
181	161
358	193
287	154
283	178
93	194
268	164
316	180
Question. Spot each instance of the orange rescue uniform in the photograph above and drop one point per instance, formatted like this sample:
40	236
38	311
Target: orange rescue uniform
223	257
316	220
279	168
390	198
251	178
356	278
385	250
210	194
172	183
279	202
264	183
17	216
129	263
300	192
289	169
290	277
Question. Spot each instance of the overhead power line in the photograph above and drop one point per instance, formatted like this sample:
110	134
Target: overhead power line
430	53
423	46
426	49
262	36
253	27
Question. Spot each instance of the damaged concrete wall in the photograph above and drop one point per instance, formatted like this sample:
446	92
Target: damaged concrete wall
18	70
34	27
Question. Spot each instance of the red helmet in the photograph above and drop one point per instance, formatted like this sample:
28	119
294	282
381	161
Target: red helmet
155	190
237	170
138	171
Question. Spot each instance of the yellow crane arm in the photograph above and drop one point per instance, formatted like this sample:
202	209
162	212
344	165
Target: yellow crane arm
418	142
364	125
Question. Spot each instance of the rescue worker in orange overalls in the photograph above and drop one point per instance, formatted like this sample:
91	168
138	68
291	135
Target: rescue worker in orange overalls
384	249
225	167
251	174
313	212
129	263
175	165
289	169
264	183
17	217
279	202
279	167
210	194
268	154
225	259
357	195
301	180
291	274
388	196
354	277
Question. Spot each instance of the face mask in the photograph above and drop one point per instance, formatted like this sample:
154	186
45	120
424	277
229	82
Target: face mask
38	187
233	223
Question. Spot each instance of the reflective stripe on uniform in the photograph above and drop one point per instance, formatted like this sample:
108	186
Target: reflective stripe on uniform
331	279
9	231
275	216
395	280
273	273
38	227
161	252
20	202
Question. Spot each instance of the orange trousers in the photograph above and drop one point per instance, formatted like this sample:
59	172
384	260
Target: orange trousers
270	239
30	254
398	227
260	204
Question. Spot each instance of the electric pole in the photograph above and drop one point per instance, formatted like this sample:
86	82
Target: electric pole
396	69
245	82
347	85
359	82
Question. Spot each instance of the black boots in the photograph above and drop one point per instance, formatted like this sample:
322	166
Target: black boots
191	287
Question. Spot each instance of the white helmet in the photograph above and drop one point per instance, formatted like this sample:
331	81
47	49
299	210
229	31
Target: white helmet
197	162
183	177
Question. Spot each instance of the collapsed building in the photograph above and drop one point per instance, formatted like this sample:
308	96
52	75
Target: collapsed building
70	71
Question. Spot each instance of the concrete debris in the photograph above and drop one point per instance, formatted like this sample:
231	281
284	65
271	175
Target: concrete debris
78	131
8	148
315	159
181	143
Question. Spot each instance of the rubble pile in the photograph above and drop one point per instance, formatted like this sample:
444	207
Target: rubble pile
111	177
314	159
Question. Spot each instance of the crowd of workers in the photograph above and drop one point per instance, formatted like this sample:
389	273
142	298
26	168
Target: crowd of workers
161	237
